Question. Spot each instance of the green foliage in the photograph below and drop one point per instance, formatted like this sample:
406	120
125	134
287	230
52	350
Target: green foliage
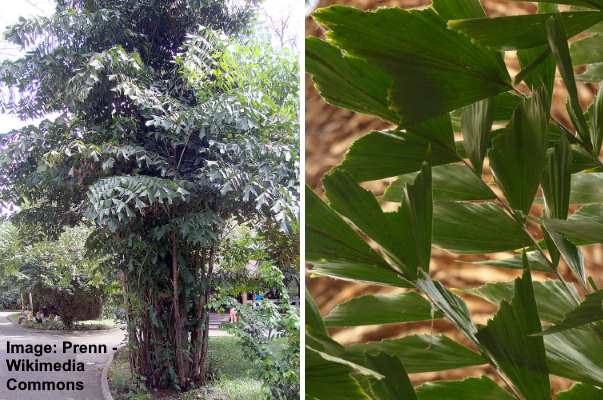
425	71
78	302
166	123
442	352
450	182
393	309
399	152
507	338
517	153
588	311
58	273
522	31
460	71
269	335
476	122
251	262
231	376
10	298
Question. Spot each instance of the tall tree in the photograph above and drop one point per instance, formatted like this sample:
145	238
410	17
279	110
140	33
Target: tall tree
162	135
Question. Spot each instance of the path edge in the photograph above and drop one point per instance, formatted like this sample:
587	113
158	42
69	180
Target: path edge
104	380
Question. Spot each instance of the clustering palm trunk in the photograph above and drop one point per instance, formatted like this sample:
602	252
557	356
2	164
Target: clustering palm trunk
178	322
168	335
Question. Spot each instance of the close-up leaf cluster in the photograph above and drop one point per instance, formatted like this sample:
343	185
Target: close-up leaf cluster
475	163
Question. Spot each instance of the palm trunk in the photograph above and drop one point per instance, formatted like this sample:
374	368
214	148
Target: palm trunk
132	339
197	335
178	350
205	323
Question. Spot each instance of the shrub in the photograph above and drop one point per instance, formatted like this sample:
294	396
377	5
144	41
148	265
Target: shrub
269	335
10	298
77	302
430	73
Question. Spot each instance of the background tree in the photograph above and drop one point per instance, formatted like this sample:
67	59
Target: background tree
59	274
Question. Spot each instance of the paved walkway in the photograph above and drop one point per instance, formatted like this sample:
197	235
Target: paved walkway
91	377
94	363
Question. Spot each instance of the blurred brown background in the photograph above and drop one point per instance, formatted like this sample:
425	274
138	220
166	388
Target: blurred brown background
329	133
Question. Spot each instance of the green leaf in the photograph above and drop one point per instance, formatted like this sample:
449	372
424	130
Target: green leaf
316	333
491	230
418	207
581	391
455	9
507	338
571	254
395	384
554	254
381	309
436	130
522	31
404	235
331	241
598	28
468	389
587	188
535	258
504	105
596	121
314	321
555	133
552	300
593	73
517	156
539	69
348	82
420	353
453	182
557	41
581	3
329	377
443	63
576	354
583	160
584	226
361	273
476	122
453	307
590	310
381	155
322	342
588	50
361	208
556	179
538	62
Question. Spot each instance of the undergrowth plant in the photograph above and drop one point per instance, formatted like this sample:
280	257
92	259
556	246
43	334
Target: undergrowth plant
515	179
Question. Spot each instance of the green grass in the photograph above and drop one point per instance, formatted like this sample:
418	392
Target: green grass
120	379
92	325
232	376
